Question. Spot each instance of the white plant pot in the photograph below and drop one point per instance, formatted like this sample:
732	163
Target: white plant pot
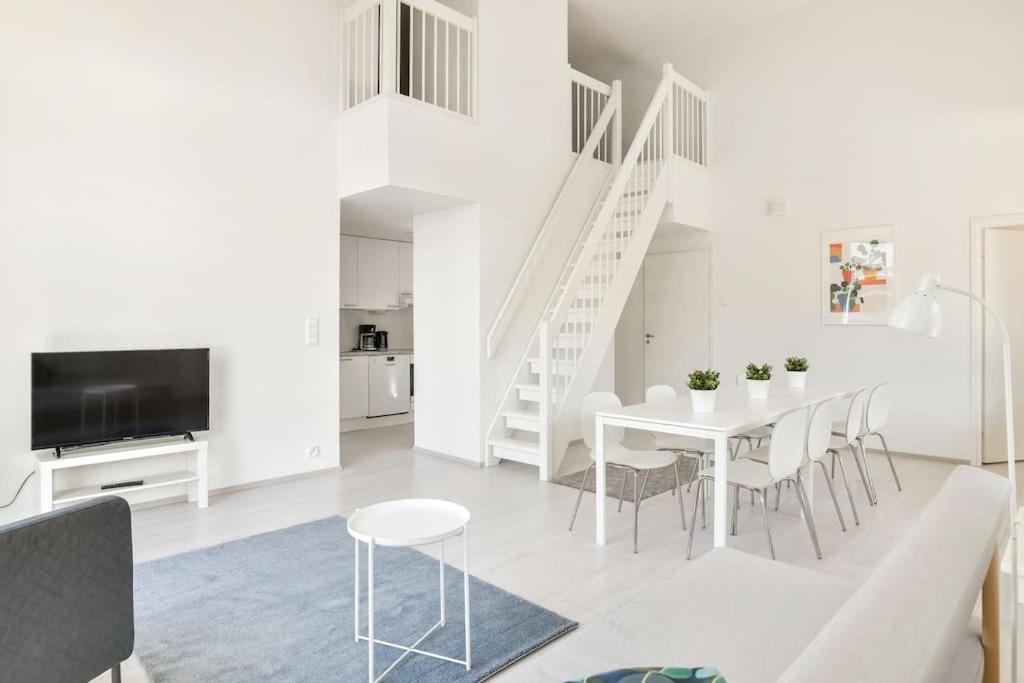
703	401
758	388
797	379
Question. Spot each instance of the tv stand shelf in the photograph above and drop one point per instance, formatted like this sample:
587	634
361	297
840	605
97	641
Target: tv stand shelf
196	478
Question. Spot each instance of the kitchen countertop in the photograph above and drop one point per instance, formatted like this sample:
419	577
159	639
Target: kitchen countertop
383	352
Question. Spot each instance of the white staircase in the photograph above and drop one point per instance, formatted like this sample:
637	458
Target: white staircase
539	412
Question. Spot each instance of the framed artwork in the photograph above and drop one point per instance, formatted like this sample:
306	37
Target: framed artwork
857	271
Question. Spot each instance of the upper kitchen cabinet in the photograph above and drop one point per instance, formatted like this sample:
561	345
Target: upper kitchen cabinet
405	268
349	272
377	274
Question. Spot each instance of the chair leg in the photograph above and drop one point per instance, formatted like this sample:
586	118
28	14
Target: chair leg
761	495
693	473
808	515
115	673
622	489
835	454
735	507
867	470
579	496
888	457
863	475
693	527
703	495
846	483
778	496
831	492
679	497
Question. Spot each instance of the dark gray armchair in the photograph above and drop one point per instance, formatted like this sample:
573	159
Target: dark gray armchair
66	587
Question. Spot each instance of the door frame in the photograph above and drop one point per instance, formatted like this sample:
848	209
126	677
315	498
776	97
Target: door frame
711	301
977	237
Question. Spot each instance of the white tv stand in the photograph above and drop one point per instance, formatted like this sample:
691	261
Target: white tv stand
196	477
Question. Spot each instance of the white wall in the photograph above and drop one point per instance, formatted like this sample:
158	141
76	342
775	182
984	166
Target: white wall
862	112
168	178
446	323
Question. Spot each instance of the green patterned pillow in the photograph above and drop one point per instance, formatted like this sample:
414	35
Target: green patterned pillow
670	674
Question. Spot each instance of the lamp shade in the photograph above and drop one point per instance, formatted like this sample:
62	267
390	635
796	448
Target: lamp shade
919	312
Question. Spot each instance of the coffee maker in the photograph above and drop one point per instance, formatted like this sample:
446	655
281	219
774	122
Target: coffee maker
382	340
367	337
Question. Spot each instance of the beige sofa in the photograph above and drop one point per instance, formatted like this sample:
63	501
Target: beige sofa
757	620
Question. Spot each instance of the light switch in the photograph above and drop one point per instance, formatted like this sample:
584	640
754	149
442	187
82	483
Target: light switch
312	330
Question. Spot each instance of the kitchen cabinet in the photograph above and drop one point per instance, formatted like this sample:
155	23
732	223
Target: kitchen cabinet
355	387
349	272
405	268
378	274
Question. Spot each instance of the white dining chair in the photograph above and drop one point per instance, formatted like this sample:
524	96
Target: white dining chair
619	457
876	416
847	437
818	439
700	450
786	454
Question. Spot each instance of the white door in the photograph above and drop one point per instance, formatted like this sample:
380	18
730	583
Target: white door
355	387
349	272
677	316
1003	283
378	274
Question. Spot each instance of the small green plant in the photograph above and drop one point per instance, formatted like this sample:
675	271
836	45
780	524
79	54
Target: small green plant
850	266
797	364
761	372
703	380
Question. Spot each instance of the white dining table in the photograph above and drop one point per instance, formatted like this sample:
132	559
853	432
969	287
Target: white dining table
734	414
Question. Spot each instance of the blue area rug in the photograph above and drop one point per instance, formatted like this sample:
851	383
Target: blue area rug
278	607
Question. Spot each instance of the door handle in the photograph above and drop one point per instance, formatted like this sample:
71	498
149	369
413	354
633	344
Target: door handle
649	336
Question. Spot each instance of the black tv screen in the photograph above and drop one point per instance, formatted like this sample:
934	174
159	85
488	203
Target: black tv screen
93	397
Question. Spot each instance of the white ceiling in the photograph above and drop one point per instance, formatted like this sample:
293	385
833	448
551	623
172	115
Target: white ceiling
648	32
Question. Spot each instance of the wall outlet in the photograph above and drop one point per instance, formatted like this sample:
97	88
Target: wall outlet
313	451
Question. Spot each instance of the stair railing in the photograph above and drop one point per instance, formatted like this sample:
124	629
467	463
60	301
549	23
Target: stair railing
609	237
607	127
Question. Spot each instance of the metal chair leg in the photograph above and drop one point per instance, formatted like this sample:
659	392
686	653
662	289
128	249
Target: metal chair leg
735	508
693	527
693	472
764	515
679	497
863	477
808	515
846	483
778	496
835	454
867	470
888	457
579	496
832	492
622	488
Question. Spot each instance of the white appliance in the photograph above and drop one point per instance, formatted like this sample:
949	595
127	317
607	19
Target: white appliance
389	385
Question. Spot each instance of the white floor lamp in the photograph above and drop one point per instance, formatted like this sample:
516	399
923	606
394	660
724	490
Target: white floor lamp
920	313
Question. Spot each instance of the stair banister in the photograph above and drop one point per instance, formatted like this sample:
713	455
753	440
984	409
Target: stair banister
516	292
622	176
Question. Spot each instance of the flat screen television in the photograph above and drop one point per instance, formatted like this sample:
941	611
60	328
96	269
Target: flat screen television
93	397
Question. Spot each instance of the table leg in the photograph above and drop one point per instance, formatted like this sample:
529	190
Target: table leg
721	490
369	610
441	573
465	590
355	619
601	485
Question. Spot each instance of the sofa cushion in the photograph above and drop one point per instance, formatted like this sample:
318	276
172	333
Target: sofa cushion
908	621
745	615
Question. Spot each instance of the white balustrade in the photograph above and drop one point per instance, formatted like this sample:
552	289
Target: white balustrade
419	49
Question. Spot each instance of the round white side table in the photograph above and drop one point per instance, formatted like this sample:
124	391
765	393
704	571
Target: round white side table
402	523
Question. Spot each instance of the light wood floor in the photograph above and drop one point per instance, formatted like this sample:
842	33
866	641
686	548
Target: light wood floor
519	538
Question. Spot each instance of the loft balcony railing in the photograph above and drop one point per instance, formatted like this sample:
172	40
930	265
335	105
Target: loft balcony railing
419	49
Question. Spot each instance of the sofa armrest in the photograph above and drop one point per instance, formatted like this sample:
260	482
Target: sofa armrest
66	593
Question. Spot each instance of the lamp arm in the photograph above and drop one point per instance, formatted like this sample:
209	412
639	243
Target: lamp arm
1011	461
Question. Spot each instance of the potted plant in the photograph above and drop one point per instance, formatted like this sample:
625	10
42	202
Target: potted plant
703	386
848	270
796	371
758	377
